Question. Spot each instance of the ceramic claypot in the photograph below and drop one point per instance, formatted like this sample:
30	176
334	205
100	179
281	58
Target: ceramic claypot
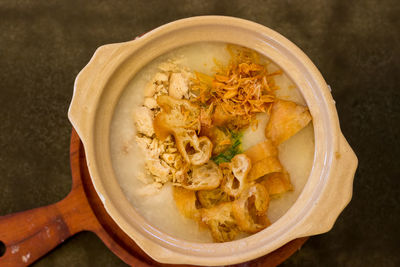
100	84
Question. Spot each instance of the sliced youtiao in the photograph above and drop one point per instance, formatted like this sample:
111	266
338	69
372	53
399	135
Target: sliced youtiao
264	158
240	166
211	198
202	152
277	183
261	151
221	222
175	114
205	116
235	174
220	139
204	177
185	201
220	117
161	129
250	209
181	118
287	118
264	167
195	150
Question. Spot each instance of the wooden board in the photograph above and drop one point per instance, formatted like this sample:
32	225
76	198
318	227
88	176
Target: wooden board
31	234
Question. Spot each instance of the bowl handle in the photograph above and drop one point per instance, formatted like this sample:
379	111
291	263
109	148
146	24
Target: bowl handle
85	97
337	192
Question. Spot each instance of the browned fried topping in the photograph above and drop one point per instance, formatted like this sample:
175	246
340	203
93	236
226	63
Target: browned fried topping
287	118
250	209
240	90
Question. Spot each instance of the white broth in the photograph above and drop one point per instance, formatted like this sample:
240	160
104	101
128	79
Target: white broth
296	154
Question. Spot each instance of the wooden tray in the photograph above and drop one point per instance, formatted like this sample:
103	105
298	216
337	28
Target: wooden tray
31	234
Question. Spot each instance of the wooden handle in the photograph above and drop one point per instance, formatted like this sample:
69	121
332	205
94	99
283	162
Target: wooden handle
29	235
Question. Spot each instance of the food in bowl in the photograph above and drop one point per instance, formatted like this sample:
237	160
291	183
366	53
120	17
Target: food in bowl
212	142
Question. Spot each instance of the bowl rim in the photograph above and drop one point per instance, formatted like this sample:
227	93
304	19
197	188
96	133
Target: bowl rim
84	115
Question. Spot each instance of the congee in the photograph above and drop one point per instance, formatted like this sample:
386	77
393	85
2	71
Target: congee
212	142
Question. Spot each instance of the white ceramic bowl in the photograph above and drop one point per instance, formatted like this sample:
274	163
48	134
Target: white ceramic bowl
97	91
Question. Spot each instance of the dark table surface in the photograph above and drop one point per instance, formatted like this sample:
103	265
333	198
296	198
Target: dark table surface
355	44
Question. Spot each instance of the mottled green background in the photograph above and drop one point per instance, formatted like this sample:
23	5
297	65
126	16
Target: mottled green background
355	44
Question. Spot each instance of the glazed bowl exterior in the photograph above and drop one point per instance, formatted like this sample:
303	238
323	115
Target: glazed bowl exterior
100	84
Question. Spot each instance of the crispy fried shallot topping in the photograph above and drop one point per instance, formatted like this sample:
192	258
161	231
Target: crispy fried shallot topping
238	91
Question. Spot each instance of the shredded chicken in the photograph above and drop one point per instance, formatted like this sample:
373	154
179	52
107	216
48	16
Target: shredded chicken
162	158
143	118
158	159
178	86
